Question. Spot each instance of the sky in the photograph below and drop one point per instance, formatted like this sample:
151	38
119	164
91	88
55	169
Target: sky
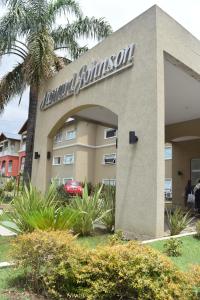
117	13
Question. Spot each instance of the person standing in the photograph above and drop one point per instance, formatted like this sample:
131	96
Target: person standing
197	196
188	191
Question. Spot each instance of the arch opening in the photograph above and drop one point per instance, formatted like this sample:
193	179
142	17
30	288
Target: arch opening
84	146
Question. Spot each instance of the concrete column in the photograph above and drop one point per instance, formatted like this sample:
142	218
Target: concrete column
140	167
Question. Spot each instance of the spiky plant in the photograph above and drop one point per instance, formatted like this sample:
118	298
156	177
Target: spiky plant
28	30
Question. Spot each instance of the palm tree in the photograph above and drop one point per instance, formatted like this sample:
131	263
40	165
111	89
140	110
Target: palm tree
28	30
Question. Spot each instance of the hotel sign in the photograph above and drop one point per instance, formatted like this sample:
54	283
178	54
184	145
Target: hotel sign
89	75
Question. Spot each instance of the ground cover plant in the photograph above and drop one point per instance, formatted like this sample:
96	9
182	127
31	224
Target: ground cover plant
178	220
173	247
59	267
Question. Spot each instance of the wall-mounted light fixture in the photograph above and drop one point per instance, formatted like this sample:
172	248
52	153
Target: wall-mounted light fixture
37	155
133	139
180	173
48	155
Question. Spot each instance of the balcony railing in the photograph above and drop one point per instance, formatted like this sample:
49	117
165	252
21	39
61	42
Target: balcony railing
8	152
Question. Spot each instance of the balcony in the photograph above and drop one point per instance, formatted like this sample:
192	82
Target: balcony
8	152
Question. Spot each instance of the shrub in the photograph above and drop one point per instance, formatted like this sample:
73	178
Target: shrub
194	276
60	268
198	229
9	186
41	254
63	196
178	220
173	247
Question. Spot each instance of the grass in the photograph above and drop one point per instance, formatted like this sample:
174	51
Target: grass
93	241
4	248
190	252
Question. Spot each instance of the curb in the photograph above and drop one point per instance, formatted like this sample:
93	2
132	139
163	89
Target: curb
6	264
169	237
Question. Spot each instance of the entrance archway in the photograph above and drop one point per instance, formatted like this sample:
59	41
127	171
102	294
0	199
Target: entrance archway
115	76
85	147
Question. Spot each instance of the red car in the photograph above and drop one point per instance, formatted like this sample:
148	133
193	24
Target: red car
73	188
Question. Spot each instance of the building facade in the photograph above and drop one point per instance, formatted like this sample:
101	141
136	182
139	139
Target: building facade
143	80
86	151
9	160
13	152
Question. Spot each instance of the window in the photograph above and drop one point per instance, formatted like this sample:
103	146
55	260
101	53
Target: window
56	160
168	188
195	170
10	164
5	146
68	159
110	133
109	182
58	137
109	159
168	152
56	181
65	180
70	135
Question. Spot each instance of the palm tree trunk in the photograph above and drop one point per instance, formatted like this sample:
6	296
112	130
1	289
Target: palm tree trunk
33	100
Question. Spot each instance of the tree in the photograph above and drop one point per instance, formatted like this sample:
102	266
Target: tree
28	30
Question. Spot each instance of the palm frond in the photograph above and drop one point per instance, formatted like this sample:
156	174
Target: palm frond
12	84
11	25
64	39
90	28
59	7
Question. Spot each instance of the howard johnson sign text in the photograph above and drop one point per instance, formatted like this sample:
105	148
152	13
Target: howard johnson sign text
89	75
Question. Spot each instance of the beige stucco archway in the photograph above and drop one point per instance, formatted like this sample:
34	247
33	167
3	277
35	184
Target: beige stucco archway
137	95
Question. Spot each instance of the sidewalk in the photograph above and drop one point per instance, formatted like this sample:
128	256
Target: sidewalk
6	232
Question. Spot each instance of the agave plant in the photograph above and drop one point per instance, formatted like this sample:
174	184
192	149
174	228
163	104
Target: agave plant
32	209
108	206
178	220
90	211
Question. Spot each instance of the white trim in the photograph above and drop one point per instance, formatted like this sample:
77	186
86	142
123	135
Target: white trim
115	154
68	178
84	145
69	139
69	154
108	129
109	179
54	158
168	147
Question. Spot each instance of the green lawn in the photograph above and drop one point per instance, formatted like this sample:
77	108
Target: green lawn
4	248
93	241
190	254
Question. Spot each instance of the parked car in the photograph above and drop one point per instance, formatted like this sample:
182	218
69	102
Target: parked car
73	188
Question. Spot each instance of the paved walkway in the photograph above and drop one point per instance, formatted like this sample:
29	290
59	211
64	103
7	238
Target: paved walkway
6	232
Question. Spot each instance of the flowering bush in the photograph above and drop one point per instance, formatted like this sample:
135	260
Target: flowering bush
62	269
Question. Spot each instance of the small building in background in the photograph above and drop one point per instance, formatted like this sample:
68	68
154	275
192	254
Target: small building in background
9	157
22	149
